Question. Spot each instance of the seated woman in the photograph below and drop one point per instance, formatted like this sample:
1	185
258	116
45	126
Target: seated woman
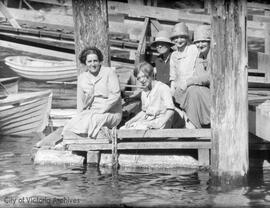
157	104
192	92
163	45
99	100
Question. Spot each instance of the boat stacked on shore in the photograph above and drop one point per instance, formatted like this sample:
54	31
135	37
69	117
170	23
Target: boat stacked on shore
41	69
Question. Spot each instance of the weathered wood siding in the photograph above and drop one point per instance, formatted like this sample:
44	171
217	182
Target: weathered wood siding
229	111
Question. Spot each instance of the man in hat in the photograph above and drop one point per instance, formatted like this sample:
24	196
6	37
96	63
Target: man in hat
194	97
163	46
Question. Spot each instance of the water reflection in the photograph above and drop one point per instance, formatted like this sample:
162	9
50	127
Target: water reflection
67	185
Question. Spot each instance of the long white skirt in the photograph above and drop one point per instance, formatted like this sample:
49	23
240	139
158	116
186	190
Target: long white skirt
90	122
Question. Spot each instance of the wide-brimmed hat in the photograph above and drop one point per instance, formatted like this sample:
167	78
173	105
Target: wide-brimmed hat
202	33
180	29
162	36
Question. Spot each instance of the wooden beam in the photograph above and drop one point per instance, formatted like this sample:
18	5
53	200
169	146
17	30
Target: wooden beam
140	56
54	2
136	2
258	6
229	110
8	15
263	65
141	145
259	119
155	27
164	133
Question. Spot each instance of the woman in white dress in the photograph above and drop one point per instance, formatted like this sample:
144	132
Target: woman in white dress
190	67
99	99
157	104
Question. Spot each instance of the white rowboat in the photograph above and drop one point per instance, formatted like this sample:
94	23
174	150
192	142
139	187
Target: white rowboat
24	113
41	69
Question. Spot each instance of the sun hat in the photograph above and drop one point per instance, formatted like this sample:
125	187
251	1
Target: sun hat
180	29
162	36
202	33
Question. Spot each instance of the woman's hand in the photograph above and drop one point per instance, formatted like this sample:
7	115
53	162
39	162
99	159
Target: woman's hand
182	85
129	123
89	98
153	125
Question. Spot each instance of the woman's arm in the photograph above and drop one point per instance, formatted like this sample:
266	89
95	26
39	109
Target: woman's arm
161	122
135	118
201	78
80	96
114	91
173	73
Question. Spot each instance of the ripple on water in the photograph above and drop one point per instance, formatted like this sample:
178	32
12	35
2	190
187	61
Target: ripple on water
8	190
7	177
4	155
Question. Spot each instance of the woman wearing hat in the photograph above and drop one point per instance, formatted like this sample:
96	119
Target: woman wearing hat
183	59
194	96
182	63
163	46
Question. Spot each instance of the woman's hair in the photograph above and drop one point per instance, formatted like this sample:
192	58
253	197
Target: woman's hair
144	67
90	50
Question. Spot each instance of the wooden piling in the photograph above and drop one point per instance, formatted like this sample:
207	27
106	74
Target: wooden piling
91	27
229	111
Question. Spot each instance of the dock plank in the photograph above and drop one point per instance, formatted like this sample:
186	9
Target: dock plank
52	139
141	145
164	133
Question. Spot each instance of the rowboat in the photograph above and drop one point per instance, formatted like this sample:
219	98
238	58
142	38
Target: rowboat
23	113
41	69
9	84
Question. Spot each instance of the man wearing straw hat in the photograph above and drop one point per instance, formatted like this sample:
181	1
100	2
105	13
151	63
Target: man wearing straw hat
163	46
194	97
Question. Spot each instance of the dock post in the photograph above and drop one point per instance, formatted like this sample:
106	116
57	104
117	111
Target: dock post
229	109
204	157
93	157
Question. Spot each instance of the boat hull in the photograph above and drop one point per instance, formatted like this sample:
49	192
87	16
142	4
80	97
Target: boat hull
25	113
39	69
10	84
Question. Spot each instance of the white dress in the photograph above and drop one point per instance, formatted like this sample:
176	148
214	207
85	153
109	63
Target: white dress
155	103
105	108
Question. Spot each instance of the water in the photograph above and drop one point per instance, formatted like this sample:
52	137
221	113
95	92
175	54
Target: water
23	183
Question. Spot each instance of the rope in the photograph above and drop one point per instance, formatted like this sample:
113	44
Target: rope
114	149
